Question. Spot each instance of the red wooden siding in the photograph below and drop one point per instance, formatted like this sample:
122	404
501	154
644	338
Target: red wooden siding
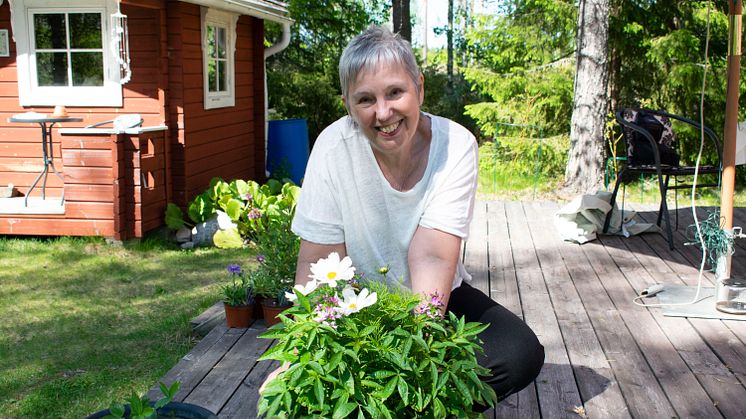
118	185
222	142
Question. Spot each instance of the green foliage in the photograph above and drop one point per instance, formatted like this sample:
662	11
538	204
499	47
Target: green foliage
395	358
449	103
523	66
279	249
302	80
254	209
174	216
522	162
139	406
657	51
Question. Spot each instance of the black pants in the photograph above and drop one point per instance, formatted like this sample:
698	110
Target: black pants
511	349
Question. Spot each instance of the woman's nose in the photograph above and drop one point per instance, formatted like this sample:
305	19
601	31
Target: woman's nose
383	110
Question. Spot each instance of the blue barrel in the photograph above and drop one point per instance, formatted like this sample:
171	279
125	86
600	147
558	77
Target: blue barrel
287	148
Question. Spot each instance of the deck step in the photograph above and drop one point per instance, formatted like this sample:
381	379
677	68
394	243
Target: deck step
205	322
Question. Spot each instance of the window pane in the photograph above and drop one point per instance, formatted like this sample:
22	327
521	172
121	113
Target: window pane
49	31
221	42
211	41
212	76
88	68
85	30
51	68
222	75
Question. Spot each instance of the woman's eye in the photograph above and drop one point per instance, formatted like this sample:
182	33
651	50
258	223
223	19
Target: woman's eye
364	100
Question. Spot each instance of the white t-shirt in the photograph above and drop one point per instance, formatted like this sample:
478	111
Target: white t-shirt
346	199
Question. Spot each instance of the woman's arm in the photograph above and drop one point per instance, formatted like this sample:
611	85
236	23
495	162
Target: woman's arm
310	253
433	256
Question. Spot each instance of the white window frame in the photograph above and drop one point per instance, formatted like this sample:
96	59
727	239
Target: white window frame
29	91
226	20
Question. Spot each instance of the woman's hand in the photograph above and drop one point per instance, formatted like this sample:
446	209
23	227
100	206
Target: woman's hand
282	368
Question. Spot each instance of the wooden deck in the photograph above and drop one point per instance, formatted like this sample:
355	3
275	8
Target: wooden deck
605	356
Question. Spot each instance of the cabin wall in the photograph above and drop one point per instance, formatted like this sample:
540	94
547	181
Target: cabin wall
223	142
119	186
87	163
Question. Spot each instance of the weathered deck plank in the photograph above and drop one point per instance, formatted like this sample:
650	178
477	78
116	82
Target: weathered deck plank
604	353
599	390
557	392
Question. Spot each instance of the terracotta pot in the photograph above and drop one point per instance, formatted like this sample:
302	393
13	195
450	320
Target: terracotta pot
258	311
271	310
239	317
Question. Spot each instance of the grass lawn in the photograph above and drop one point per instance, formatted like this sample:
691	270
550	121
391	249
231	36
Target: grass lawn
84	323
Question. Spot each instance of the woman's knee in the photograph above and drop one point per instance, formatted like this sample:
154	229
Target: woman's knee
512	352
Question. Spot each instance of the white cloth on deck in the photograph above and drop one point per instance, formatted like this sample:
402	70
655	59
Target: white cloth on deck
582	218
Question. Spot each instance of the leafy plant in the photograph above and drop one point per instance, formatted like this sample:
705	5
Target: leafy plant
372	352
250	209
140	407
279	248
240	291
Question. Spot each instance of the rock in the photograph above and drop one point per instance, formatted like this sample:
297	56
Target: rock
183	235
202	233
187	245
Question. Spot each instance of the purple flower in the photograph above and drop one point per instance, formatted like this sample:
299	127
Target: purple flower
248	197
234	269
431	307
254	214
260	258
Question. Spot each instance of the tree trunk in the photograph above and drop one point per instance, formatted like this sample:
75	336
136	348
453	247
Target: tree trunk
585	163
402	20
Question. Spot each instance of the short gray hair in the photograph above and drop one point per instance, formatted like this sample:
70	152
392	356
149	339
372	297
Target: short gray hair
374	46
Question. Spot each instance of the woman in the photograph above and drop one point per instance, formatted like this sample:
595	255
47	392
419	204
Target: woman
391	185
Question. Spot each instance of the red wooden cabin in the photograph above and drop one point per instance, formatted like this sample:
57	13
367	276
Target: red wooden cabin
196	77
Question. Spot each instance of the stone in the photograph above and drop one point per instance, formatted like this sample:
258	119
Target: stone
183	235
202	233
187	245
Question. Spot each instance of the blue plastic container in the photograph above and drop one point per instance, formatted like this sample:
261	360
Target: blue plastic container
287	148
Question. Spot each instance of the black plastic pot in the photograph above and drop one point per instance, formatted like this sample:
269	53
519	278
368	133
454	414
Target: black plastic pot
172	410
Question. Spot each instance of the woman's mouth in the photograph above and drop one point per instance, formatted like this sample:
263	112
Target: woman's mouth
389	129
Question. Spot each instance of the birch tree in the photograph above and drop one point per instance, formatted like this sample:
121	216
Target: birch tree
585	163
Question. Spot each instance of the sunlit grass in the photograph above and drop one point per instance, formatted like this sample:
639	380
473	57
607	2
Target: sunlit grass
84	323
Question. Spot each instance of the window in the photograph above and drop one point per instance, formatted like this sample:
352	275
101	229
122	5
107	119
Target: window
68	49
218	51
63	54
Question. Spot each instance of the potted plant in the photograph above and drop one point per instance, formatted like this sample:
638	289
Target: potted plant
277	247
139	407
238	299
272	307
363	350
270	293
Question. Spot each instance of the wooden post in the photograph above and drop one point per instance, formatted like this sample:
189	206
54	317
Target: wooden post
731	113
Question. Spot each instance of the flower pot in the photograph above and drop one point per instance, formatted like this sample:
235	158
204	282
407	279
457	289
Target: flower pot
271	309
171	410
239	316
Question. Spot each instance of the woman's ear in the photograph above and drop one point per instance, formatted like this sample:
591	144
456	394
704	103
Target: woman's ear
421	81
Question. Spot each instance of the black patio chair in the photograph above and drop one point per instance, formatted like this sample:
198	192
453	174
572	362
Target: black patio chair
650	152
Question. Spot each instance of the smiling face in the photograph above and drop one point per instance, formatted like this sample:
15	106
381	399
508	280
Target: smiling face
385	103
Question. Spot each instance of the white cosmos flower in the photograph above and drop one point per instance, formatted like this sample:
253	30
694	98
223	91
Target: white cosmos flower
352	303
303	289
330	270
